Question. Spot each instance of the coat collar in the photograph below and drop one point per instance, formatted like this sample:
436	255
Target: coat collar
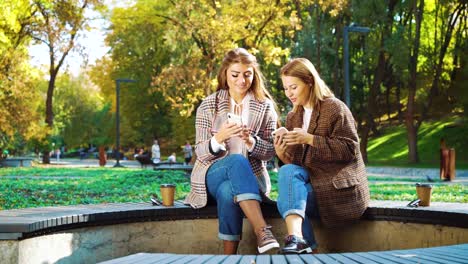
256	109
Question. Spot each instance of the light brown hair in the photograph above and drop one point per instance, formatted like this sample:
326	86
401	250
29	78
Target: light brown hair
241	55
304	69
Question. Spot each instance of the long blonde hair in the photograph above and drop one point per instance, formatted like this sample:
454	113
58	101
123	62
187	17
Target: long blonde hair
241	55
303	69
258	86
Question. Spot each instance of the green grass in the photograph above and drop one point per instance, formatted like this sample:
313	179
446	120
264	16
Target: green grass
24	188
84	186
391	149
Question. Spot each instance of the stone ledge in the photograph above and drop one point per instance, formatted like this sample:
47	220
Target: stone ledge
20	224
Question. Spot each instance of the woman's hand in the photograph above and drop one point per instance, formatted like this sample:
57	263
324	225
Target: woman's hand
298	136
245	135
280	148
227	131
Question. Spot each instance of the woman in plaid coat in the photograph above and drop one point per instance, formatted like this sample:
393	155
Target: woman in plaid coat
231	155
324	173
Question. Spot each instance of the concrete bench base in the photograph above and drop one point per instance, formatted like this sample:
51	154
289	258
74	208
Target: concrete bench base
94	244
94	233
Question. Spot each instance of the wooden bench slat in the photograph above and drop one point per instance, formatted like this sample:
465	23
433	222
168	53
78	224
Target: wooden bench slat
342	259
131	258
376	258
457	254
201	259
461	246
294	259
233	259
312	259
278	259
446	257
325	258
390	256
263	259
170	259
185	259
413	256
247	259
150	259
358	259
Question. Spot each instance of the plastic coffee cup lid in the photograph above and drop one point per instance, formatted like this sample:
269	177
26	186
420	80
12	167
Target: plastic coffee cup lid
165	185
425	185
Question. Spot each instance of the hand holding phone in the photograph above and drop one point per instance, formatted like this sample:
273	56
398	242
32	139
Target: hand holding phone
279	132
232	118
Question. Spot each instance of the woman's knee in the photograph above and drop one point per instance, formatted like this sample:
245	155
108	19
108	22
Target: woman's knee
237	160
289	171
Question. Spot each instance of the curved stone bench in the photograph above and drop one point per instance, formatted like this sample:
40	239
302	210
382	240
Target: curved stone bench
16	162
93	233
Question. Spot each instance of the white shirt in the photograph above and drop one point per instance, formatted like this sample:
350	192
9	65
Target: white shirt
306	118
236	144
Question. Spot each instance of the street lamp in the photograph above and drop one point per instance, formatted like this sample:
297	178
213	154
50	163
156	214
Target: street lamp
350	28
117	119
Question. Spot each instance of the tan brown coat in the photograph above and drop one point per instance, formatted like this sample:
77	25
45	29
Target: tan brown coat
334	161
262	121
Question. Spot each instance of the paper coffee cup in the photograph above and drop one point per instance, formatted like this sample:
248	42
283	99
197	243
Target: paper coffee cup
424	192
167	193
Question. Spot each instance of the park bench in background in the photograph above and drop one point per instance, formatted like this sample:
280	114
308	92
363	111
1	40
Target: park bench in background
144	160
100	232
173	166
16	162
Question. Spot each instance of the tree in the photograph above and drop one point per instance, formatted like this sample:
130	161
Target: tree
57	25
19	120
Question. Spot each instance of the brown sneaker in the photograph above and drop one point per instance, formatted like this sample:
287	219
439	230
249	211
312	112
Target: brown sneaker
266	241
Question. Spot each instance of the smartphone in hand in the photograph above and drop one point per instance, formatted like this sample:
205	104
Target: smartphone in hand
279	132
232	118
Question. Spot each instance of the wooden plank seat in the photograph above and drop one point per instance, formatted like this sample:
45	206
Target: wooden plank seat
444	254
101	232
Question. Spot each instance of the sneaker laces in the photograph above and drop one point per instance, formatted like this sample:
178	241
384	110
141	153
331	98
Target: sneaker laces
288	239
266	233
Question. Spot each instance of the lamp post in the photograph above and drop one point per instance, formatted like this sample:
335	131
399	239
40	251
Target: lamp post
117	118
350	28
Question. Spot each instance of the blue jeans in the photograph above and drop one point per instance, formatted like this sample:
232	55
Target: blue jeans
296	196
230	181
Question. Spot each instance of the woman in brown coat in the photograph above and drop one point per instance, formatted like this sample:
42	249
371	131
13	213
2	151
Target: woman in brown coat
324	174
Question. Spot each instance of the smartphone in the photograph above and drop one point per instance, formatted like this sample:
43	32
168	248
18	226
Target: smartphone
279	131
232	118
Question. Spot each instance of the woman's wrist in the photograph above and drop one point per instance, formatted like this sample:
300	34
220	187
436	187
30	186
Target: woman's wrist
310	140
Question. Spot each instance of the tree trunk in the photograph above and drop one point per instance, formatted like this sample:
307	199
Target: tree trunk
398	102
363	143
102	156
49	111
318	35
336	71
411	126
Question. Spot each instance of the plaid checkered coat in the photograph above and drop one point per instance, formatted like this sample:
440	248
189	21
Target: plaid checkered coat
334	161
262	121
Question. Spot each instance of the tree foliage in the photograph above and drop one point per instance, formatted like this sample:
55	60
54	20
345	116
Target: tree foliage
173	49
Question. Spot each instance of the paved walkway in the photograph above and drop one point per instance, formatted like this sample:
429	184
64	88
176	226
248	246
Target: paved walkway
419	172
90	163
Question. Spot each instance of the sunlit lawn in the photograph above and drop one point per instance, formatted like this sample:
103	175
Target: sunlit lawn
37	187
391	149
